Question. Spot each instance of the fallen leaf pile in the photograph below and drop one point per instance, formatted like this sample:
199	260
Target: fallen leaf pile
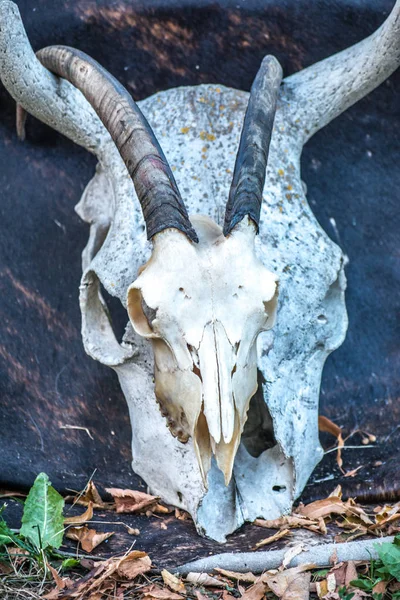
133	576
348	515
115	576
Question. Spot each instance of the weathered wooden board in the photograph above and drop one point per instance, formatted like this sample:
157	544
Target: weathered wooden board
351	170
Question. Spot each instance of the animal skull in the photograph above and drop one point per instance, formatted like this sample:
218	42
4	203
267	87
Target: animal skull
200	298
203	307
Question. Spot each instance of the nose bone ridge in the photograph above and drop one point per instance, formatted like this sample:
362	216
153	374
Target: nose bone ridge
216	354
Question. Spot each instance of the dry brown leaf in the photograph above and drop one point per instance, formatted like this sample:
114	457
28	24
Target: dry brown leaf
102	578
388	515
158	593
95	583
294	521
227	596
387	511
287	521
91	494
173	582
131	501
204	579
332	505
256	591
292	584
159	508
245	577
17	552
380	587
337	492
5	569
291	553
351	573
88	538
90	583
182	515
325	424
331	596
59	581
80	519
353	472
96	596
272	538
200	596
321	588
356	514
340	575
134	564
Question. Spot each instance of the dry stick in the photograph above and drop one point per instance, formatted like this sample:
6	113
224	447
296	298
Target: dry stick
258	562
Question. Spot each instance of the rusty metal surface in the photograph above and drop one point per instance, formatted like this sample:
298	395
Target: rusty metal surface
351	170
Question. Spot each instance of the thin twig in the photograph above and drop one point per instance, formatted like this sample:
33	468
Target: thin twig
349	448
77	427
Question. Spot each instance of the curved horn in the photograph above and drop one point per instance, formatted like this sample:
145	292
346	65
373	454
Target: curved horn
152	177
245	195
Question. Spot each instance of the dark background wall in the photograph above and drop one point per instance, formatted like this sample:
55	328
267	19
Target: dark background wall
351	170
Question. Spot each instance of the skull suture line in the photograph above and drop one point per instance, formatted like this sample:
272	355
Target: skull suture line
204	395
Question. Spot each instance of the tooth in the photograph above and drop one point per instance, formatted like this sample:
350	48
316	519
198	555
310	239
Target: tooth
202	446
225	453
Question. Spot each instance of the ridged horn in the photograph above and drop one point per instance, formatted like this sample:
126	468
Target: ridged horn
155	185
245	195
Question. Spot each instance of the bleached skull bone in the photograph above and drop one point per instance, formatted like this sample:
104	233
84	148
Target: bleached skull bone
199	130
279	446
203	307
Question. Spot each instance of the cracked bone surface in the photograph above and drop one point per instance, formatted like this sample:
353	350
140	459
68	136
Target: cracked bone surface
200	311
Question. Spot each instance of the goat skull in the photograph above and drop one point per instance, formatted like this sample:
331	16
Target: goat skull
205	294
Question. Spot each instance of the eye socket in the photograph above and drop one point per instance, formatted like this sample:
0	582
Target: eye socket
140	314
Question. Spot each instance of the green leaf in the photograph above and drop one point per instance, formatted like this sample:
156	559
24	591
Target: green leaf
70	563
390	556
362	584
5	534
321	573
43	521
